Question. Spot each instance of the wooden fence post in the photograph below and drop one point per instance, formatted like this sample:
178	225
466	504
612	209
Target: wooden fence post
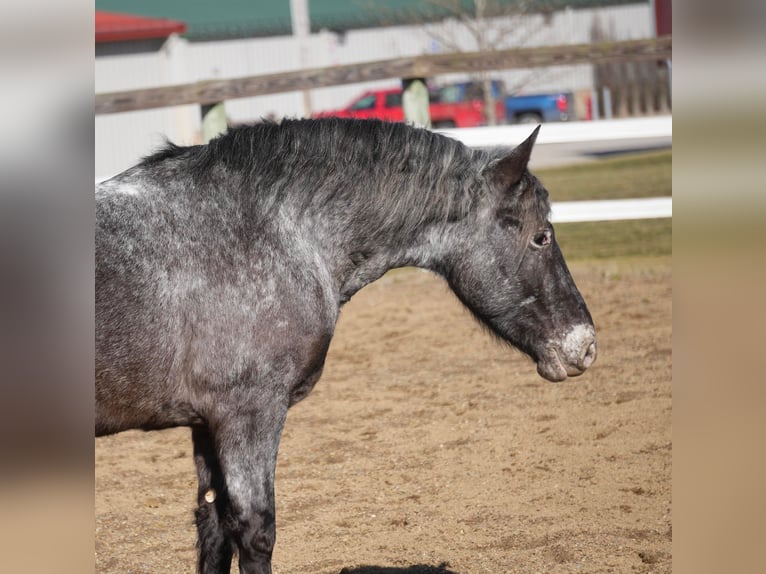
213	120
415	102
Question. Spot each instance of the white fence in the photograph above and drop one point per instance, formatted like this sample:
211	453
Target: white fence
612	209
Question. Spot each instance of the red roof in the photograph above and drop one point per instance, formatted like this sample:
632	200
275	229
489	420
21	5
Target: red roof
113	27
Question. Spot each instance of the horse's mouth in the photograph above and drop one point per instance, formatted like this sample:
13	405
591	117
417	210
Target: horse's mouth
551	367
555	371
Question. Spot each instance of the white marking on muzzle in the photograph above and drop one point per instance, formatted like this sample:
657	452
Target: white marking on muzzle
574	341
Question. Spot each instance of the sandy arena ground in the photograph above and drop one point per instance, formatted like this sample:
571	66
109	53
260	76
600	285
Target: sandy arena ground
428	447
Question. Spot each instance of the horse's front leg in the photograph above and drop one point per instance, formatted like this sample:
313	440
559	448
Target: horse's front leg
247	444
214	548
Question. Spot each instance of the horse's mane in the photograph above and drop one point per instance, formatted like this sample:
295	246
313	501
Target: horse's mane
389	172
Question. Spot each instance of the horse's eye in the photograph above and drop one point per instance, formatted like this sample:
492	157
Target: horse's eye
542	238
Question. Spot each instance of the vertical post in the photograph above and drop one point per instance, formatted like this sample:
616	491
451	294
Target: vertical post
415	102
662	24
594	105
213	120
670	83
299	16
607	103
185	117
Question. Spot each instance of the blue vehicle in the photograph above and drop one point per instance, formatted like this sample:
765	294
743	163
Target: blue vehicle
538	108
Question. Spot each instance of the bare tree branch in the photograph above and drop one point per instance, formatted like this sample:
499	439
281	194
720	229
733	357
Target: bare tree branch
491	25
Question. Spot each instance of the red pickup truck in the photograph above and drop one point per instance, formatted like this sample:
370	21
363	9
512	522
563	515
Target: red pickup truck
452	106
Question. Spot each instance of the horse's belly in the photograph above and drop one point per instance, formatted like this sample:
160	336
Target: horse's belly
123	406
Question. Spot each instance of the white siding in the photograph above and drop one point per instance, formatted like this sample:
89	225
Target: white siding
121	139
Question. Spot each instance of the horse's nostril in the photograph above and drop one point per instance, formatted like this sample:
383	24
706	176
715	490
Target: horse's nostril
578	349
588	355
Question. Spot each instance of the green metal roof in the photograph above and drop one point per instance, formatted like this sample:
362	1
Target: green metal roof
217	19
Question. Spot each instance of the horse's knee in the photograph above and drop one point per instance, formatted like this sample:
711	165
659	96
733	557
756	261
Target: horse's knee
256	536
248	471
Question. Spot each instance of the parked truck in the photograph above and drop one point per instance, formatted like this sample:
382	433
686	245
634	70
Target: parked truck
462	105
451	106
538	108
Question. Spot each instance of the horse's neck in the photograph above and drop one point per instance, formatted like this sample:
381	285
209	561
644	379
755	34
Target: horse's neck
359	257
361	239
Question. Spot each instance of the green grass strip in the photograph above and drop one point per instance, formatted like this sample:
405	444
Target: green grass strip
615	239
633	176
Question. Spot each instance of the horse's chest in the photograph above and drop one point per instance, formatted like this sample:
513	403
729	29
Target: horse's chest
304	387
312	369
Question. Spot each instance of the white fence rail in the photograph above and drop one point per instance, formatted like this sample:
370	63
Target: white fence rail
611	209
565	132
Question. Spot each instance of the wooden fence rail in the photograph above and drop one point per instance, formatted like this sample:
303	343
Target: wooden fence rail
213	91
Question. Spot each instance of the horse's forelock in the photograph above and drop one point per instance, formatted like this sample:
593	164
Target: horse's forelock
536	203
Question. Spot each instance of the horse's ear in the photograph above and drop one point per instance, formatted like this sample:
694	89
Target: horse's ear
507	171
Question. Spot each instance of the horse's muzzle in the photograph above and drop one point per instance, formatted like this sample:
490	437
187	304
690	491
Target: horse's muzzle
569	357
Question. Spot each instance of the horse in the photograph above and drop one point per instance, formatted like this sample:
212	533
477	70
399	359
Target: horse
221	270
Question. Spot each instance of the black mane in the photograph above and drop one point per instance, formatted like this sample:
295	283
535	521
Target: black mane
389	171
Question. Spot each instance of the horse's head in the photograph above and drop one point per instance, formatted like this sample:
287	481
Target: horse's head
508	269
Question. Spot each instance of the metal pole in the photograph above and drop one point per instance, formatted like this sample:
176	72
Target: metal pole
670	82
607	97
594	105
299	15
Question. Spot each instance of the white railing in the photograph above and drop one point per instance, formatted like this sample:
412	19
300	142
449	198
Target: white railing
611	209
565	132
